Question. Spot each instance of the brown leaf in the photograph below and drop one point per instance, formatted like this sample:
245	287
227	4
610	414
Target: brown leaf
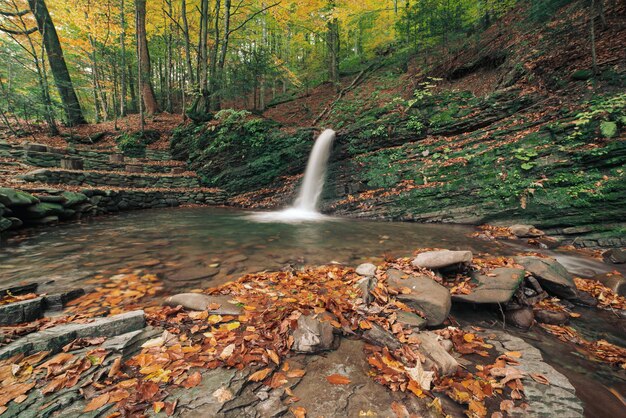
539	378
170	407
115	367
193	380
400	410
296	373
273	356
260	375
97	403
338	379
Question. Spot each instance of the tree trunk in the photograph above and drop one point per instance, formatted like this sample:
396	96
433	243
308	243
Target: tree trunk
333	50
122	63
143	56
215	98
187	41
592	18
63	81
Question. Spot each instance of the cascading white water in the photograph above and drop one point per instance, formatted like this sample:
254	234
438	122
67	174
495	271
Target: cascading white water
305	206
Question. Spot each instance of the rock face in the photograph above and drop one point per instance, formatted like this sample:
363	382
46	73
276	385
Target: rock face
202	302
525	231
312	335
494	289
366	269
554	278
552	318
440	259
615	255
426	295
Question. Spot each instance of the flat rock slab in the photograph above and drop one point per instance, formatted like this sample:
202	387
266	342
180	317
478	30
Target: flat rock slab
426	295
53	339
497	287
525	231
558	399
552	276
411	320
440	259
193	274
203	302
24	311
362	397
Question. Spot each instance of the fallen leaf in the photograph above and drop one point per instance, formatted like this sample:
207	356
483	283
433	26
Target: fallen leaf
539	378
223	394
298	412
260	375
273	356
338	379
515	354
193	380
97	403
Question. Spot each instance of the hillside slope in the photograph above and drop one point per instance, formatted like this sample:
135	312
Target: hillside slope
510	126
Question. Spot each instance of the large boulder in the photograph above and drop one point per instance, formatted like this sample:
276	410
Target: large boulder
73	198
552	276
440	259
12	197
312	335
422	293
525	231
215	304
497	286
5	224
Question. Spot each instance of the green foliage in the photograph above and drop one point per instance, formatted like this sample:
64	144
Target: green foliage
132	145
415	124
609	112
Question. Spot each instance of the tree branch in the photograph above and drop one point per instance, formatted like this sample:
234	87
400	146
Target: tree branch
252	17
14	14
18	32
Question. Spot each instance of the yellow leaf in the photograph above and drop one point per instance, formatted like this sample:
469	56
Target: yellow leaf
469	337
231	325
214	319
260	375
515	354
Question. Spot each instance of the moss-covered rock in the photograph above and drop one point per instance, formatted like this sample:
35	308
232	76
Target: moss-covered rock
11	197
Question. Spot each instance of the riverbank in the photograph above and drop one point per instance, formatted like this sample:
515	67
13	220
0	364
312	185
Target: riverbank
263	343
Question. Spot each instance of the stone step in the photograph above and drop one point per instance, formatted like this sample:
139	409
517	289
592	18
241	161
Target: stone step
110	179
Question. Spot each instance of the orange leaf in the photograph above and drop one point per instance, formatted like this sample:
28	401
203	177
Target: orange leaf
296	373
338	379
97	403
193	380
272	355
260	375
298	412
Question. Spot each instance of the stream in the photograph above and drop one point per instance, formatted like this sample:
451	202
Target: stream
182	244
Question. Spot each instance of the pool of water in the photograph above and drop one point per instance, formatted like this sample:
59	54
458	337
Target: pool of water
183	244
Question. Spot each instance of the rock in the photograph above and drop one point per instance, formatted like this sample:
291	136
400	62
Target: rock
19	289
411	320
53	339
365	285
23	311
177	170
615	255
554	278
46	220
238	258
193	273
366	269
41	210
440	259
426	295
72	163
58	300
312	335
116	158
584	299
33	146
615	282
202	302
5	224
552	318
12	197
379	336
582	75
133	168
525	231
436	355
15	223
73	198
494	289
521	318
558	399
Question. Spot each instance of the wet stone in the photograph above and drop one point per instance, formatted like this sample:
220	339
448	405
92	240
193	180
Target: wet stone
312	335
366	269
441	259
23	311
203	302
497	287
552	276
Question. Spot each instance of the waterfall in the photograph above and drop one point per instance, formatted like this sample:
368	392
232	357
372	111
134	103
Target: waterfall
313	182
305	206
